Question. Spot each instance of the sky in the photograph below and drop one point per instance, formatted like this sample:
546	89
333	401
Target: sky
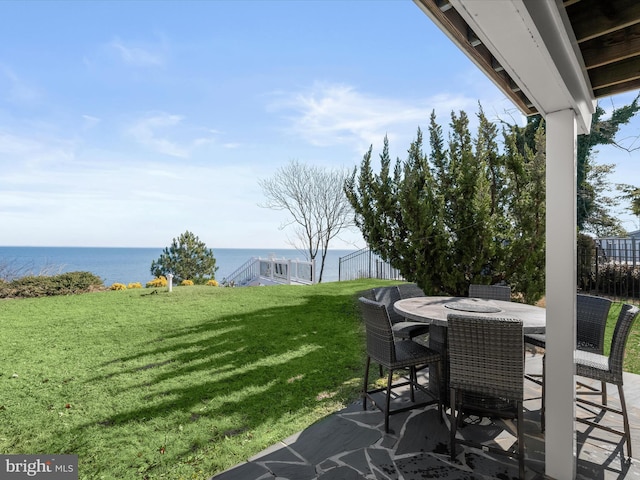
127	123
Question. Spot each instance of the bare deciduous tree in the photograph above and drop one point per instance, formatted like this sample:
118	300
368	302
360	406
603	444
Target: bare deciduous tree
316	202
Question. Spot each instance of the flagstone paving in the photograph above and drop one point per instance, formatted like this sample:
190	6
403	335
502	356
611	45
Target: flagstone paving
351	445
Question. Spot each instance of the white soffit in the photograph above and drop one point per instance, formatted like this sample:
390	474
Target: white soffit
533	41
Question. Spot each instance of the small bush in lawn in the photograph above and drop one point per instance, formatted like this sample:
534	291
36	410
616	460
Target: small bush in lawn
134	285
186	283
118	286
213	283
158	282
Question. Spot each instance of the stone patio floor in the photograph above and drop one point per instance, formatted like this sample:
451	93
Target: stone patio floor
351	445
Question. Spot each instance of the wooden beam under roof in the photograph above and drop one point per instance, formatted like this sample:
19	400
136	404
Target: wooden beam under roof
608	33
615	74
618	88
612	47
593	18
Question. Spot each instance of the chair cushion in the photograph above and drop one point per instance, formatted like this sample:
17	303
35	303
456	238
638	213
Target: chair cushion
412	353
591	360
595	366
409	329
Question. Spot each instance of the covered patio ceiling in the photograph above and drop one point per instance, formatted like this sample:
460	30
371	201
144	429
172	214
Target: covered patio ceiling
604	35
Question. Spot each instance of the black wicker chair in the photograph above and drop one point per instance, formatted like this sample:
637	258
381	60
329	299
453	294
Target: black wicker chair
394	355
609	369
492	292
591	323
402	328
485	359
410	290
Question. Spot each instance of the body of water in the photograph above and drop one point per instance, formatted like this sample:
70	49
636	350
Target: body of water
126	265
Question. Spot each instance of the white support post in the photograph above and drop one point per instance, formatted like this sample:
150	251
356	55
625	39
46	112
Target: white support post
560	438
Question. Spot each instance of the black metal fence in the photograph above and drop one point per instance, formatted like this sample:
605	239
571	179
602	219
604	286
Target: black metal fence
608	267
611	267
366	264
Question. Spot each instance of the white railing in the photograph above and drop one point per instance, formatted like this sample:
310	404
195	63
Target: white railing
264	271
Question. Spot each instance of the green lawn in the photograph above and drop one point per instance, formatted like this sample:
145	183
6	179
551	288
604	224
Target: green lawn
632	353
145	384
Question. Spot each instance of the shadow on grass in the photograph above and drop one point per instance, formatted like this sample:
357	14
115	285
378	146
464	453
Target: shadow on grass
248	369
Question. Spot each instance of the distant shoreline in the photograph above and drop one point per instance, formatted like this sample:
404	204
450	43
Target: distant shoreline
133	264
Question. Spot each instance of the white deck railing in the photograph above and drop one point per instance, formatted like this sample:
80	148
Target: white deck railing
266	271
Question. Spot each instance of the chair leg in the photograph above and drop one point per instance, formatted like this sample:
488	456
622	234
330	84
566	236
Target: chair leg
438	371
413	377
388	402
366	383
453	427
603	389
625	419
520	432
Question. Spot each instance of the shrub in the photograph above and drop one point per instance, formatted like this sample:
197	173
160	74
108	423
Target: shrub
118	286
134	285
44	286
186	283
187	257
213	283
160	281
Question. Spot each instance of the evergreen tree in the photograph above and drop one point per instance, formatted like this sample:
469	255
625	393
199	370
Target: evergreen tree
523	226
468	213
187	258
438	219
398	213
467	199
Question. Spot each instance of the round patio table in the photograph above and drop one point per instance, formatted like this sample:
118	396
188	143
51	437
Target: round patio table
434	311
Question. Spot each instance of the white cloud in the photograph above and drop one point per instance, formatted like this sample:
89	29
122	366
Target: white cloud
34	149
168	134
90	121
145	132
328	114
137	56
17	90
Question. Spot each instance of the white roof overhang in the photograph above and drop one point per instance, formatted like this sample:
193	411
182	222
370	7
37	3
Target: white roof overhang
532	40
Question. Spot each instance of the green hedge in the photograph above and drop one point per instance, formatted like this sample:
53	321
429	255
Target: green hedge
44	286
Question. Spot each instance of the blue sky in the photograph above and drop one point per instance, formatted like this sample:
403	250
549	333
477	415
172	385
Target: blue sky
127	123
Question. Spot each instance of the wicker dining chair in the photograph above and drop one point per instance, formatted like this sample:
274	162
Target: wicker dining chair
410	290
591	322
609	369
492	292
395	355
485	359
402	328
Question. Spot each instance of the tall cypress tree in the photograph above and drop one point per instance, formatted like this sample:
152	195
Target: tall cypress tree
524	222
438	218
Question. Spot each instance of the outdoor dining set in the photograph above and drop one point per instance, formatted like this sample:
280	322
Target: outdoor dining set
474	348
